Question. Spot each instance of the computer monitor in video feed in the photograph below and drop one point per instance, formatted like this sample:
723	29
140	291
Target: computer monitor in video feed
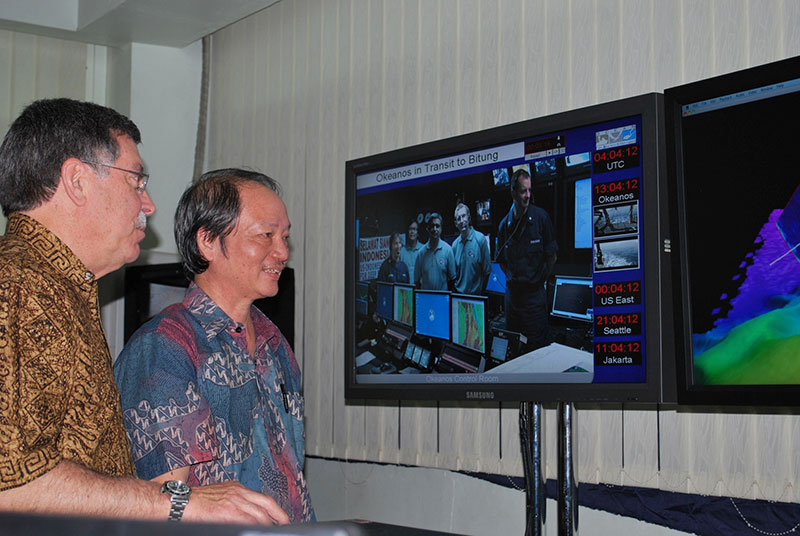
572	298
432	314
385	297
404	304
735	206
468	322
595	174
497	279
362	298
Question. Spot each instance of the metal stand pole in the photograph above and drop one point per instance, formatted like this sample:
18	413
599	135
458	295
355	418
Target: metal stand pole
532	425
567	479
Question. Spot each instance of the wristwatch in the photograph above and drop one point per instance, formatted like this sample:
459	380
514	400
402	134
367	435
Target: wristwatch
179	497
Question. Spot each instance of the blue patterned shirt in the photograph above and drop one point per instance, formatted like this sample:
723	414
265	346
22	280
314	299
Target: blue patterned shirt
193	395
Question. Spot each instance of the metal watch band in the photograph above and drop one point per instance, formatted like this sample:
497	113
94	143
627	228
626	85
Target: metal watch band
178	496
178	505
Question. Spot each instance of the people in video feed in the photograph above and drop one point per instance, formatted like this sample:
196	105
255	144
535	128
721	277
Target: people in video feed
471	253
436	266
411	249
527	254
393	269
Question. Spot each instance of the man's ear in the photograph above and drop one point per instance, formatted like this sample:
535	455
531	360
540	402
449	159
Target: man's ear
208	248
75	180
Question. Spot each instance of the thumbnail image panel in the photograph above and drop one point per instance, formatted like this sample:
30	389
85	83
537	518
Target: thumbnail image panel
616	254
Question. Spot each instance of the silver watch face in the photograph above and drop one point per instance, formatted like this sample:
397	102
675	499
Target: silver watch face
176	487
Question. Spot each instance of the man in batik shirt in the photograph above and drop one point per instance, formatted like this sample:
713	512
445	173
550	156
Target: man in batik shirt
210	387
72	184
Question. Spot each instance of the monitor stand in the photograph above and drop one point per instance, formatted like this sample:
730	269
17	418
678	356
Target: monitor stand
567	479
531	422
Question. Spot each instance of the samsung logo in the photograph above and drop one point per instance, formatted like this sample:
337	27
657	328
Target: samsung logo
480	395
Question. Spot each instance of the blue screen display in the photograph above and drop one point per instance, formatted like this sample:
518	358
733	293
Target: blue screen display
497	280
432	314
385	295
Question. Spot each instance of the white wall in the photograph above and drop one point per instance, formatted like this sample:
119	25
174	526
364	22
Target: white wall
161	86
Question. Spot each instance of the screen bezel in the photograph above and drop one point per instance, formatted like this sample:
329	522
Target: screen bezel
659	383
687	391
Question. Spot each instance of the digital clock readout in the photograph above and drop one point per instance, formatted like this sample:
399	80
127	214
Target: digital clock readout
617	353
621	191
607	325
615	159
618	293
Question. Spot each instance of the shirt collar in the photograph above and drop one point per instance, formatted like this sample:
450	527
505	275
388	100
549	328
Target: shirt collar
214	320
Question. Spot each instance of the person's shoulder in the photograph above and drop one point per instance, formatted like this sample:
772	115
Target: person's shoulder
173	322
537	211
22	268
477	234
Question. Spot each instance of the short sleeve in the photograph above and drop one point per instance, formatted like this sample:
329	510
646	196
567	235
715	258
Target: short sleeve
451	265
168	421
31	389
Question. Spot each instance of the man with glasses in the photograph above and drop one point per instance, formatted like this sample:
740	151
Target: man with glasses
73	188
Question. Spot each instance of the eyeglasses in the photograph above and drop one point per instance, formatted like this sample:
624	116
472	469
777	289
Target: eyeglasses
141	178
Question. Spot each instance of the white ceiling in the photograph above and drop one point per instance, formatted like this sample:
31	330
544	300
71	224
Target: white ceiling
174	23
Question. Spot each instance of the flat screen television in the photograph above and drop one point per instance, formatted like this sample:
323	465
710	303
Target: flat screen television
596	172
736	214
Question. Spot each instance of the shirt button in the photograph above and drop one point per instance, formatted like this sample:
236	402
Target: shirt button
238	329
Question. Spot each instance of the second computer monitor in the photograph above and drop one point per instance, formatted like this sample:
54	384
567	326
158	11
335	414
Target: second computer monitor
497	279
432	313
385	299
573	298
468	321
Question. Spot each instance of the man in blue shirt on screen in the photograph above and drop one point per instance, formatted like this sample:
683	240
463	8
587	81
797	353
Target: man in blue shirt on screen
411	249
471	253
393	269
436	266
527	254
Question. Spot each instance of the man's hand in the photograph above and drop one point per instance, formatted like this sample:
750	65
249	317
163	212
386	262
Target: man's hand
230	502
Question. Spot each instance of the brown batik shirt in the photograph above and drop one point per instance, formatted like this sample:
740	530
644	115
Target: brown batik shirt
58	399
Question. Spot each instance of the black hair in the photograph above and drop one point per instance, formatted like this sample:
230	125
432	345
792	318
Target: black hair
212	204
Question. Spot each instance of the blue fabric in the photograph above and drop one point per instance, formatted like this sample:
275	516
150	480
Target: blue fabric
409	256
473	262
526	245
393	272
686	512
436	267
193	395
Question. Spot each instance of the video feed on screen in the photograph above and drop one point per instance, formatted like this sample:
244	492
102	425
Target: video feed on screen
484	233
